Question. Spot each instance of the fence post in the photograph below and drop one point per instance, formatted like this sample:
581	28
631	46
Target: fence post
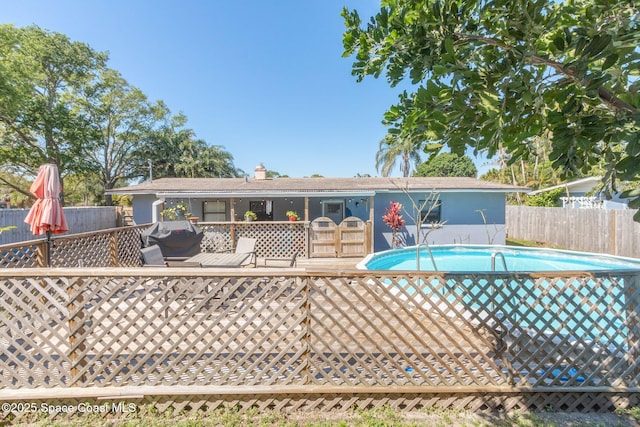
306	356
632	297
232	236
43	254
76	324
113	249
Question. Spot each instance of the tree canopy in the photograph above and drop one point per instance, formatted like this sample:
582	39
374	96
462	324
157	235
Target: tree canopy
59	102
390	150
493	75
447	164
39	120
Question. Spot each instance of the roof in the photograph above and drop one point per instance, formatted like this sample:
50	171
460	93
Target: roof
584	184
230	187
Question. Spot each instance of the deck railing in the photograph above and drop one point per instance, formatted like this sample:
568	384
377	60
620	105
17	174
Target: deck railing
120	247
194	339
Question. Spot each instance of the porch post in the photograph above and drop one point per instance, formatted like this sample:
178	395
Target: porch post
371	222
306	208
232	209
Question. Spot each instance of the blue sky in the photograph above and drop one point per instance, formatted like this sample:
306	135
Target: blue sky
264	79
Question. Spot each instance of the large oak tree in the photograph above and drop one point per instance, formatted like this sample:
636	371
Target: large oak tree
493	75
40	73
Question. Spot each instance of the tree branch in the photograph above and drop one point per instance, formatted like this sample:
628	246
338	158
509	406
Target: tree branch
608	97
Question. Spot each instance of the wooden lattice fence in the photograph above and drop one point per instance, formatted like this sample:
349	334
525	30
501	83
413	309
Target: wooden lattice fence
105	248
195	339
276	239
120	247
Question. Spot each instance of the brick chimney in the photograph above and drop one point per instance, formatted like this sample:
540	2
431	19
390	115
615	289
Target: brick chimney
260	173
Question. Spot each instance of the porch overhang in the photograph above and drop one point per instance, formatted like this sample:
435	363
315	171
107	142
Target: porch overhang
257	194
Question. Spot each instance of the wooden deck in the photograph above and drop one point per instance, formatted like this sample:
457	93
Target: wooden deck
329	263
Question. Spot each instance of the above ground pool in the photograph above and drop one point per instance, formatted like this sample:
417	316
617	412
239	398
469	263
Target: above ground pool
590	302
485	258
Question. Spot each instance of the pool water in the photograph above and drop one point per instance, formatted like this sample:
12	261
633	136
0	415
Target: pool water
557	305
477	258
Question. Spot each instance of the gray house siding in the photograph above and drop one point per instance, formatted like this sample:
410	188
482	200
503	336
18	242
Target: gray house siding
142	208
459	212
463	200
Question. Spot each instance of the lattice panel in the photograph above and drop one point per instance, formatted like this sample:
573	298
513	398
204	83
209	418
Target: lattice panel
128	241
274	239
217	238
365	334
34	338
21	256
576	331
381	334
76	253
188	331
105	248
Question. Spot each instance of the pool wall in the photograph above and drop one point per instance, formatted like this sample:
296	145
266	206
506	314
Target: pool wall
519	259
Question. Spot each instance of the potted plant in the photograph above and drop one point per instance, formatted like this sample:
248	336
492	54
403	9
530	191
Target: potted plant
250	216
292	215
176	212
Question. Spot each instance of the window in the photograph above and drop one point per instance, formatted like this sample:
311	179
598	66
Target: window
431	212
333	209
213	211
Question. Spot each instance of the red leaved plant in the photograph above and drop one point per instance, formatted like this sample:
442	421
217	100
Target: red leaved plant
393	218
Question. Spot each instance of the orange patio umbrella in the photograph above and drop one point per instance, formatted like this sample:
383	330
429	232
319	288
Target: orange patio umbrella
46	214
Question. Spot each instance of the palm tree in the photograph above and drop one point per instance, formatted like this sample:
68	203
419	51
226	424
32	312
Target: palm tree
391	149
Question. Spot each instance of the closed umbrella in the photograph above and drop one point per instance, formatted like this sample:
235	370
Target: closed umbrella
46	214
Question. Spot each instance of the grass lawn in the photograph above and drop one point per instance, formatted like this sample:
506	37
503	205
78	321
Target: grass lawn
529	243
383	417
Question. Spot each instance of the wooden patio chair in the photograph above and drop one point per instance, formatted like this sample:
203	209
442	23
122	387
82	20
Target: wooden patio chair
152	256
247	245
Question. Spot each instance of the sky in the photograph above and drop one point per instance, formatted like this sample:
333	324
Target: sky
266	80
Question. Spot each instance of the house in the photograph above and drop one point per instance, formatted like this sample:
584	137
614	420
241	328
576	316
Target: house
585	193
472	211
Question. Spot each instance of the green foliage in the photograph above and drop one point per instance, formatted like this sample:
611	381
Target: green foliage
7	228
493	76
447	164
122	117
548	199
41	74
59	101
175	152
391	150
178	210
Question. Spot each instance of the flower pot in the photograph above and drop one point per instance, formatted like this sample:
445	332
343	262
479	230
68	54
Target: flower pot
292	218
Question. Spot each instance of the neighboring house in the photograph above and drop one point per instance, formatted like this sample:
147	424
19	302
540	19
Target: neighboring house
473	211
585	193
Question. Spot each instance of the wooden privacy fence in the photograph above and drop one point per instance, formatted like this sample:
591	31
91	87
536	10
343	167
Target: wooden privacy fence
193	339
592	230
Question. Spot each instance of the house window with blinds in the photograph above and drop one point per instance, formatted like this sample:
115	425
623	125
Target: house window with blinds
214	211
